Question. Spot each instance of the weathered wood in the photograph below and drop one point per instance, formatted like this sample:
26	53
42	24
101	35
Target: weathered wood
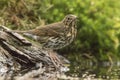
21	52
18	53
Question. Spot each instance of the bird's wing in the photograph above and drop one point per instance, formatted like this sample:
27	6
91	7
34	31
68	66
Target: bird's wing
55	29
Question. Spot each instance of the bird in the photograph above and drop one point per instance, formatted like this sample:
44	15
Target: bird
56	35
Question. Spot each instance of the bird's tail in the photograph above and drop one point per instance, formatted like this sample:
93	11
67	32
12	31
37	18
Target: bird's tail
27	34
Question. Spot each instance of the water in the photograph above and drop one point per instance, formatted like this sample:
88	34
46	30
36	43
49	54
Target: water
95	71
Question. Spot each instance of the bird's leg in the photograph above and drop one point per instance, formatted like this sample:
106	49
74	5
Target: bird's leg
56	61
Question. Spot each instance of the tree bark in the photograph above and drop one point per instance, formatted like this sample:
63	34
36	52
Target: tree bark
21	55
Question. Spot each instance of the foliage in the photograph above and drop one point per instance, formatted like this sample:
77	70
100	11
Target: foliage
98	21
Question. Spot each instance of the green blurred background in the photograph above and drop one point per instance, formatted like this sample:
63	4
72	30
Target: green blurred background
98	34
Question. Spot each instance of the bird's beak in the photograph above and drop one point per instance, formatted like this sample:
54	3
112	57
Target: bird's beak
76	18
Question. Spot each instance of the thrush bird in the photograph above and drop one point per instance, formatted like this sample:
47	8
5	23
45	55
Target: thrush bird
56	35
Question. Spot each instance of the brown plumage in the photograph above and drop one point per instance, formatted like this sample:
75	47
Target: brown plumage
56	35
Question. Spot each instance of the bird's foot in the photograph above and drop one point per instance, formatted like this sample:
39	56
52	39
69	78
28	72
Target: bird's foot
55	60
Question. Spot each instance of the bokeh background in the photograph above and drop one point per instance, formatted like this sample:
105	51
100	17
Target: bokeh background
98	36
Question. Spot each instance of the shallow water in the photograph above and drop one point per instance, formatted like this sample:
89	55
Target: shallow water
95	71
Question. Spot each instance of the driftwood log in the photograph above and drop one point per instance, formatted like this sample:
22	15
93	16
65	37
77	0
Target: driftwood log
24	59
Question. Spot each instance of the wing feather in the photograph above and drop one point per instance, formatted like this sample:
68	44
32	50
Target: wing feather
55	29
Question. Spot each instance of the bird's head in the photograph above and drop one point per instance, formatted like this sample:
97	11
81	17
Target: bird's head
69	19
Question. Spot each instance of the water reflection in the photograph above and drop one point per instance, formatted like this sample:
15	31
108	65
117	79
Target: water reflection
90	70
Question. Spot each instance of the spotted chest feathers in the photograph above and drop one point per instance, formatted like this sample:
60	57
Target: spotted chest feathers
61	41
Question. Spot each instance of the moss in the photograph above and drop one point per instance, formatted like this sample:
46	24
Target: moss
97	21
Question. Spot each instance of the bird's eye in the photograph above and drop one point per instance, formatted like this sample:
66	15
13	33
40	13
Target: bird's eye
68	18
